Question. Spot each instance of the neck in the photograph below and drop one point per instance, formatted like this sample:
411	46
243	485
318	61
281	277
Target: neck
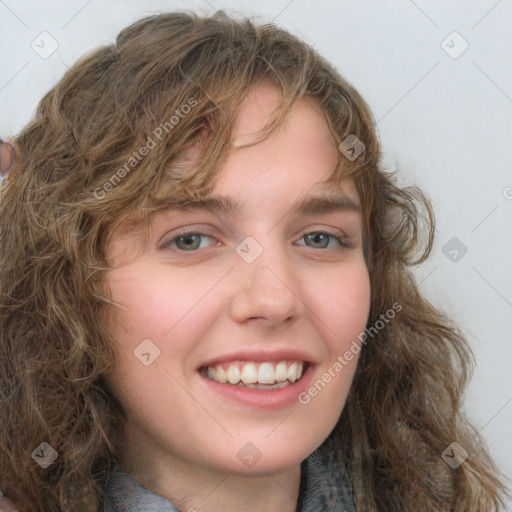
196	488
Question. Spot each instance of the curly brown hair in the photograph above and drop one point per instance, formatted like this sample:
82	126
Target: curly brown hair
64	199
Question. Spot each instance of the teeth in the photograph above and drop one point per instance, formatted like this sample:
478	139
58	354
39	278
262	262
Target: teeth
291	373
280	372
233	374
253	374
249	374
266	373
265	386
221	374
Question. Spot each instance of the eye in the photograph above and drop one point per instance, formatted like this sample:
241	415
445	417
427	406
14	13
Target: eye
323	239
191	241
188	241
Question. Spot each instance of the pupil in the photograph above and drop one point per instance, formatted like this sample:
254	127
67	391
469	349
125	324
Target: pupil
317	237
189	241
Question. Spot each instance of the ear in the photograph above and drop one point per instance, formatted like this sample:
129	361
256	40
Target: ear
6	505
7	158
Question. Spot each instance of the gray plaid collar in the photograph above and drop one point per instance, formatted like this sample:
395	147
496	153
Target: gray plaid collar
324	487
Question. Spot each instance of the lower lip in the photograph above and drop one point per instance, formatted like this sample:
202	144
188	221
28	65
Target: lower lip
270	399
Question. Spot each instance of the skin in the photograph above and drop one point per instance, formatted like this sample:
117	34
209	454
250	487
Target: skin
313	295
6	158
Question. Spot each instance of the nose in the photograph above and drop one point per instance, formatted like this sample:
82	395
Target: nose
267	289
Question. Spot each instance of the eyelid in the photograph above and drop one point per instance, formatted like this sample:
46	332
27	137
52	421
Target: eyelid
183	232
343	240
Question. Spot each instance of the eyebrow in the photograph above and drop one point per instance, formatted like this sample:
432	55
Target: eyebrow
308	205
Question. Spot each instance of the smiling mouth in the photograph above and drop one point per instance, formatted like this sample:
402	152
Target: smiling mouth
262	375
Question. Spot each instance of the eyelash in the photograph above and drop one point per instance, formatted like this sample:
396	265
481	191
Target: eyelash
184	234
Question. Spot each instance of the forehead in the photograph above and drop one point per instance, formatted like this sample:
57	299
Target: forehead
301	153
303	140
261	103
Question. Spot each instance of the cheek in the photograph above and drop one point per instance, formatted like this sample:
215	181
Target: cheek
172	311
151	305
341	310
150	319
343	303
155	308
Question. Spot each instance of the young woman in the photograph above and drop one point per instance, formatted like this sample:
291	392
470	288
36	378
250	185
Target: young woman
206	303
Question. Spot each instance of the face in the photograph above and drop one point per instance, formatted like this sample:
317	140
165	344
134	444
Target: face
268	292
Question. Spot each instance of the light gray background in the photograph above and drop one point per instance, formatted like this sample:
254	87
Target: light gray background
445	122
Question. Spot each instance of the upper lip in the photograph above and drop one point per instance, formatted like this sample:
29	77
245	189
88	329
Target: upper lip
275	355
